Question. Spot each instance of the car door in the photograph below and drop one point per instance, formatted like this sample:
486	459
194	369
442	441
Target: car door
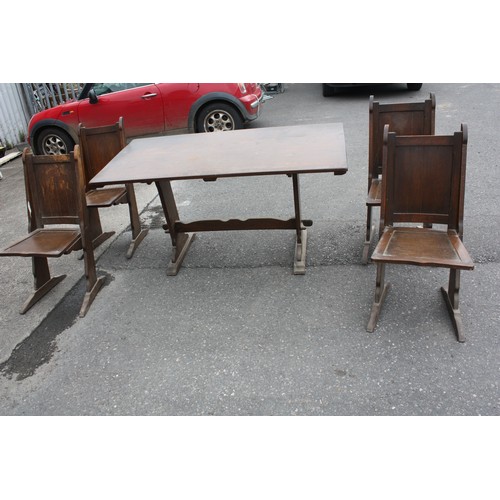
140	105
177	101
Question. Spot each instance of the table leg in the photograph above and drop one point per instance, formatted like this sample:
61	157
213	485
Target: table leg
180	241
299	265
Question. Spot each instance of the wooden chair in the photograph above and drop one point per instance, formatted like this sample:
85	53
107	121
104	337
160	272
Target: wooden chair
99	145
55	193
423	182
412	118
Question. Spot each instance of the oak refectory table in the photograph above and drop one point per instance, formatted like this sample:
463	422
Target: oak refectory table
289	150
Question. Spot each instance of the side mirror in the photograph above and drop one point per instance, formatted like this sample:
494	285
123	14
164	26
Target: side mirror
93	97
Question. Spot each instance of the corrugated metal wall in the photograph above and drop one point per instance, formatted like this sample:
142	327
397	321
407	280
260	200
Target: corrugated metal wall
14	115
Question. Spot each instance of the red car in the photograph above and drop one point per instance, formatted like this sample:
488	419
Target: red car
147	109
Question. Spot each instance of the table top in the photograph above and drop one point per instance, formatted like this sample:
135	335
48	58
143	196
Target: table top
260	151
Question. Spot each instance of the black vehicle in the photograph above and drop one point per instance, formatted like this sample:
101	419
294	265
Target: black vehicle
329	89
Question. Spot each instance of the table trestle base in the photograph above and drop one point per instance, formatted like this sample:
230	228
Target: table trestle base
182	233
299	264
235	225
179	251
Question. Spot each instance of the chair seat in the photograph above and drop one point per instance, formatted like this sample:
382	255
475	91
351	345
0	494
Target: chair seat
422	247
374	193
105	197
44	243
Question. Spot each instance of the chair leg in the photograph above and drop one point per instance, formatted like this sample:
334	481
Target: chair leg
451	297
98	236
368	234
138	233
135	242
44	282
381	290
90	296
94	284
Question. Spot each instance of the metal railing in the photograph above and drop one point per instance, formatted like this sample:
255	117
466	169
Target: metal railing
40	96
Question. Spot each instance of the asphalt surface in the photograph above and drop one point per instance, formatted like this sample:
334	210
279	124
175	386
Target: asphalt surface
235	332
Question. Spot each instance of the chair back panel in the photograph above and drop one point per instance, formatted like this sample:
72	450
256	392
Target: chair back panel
99	145
53	189
417	118
424	179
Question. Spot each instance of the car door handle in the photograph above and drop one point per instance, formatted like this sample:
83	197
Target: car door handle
147	96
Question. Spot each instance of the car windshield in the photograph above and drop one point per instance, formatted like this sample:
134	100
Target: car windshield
107	88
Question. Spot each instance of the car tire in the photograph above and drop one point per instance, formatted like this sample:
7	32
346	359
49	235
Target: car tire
414	86
54	141
218	117
328	91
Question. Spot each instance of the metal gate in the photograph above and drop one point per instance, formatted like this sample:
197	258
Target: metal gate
40	96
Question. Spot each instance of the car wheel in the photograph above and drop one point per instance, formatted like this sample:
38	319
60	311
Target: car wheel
414	86
328	91
218	117
54	141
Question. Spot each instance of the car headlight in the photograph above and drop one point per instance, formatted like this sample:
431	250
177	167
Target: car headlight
242	88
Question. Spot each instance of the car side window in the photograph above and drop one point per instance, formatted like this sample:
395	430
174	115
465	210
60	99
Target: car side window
108	88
